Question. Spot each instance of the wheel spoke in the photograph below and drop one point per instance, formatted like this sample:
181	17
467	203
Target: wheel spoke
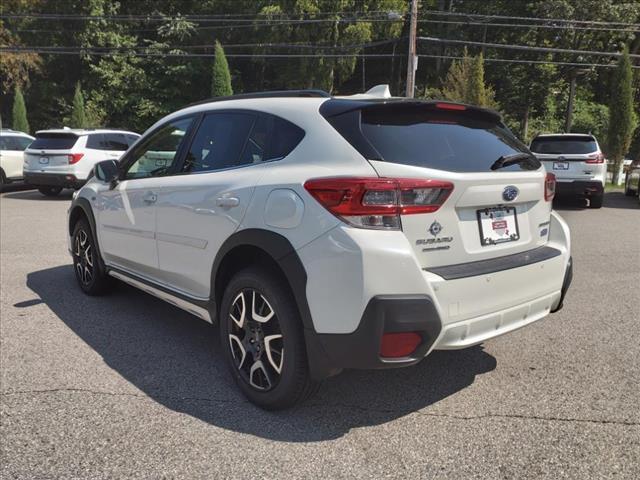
275	357
233	339
257	317
87	275
256	369
88	256
77	245
239	302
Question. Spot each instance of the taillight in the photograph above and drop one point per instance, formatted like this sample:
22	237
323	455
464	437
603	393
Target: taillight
549	187
378	202
595	158
74	157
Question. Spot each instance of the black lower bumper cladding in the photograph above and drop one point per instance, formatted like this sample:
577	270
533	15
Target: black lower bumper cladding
330	353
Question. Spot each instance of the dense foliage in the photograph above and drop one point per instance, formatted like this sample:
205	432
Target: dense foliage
162	57
78	116
220	76
19	113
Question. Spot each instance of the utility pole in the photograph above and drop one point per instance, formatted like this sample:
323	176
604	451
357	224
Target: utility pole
412	61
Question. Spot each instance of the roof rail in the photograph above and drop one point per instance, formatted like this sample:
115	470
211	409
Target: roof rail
271	94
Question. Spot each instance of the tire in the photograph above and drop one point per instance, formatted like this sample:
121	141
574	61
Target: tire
627	191
596	201
267	358
3	180
50	191
87	264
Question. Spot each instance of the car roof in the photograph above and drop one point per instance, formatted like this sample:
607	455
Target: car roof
85	131
8	131
544	135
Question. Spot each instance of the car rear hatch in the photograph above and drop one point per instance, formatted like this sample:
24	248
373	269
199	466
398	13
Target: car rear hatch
51	152
495	204
568	157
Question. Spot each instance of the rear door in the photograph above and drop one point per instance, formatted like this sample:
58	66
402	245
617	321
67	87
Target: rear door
206	202
50	152
569	157
490	212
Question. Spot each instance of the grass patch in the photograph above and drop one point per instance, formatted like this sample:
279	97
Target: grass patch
612	187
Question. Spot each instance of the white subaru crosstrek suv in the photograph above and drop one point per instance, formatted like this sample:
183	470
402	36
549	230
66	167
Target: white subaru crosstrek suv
323	233
64	158
12	146
577	162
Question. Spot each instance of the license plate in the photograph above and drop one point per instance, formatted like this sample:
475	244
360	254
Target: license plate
44	160
561	165
498	225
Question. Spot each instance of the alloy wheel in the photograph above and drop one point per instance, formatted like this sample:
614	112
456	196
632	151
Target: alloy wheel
255	340
83	255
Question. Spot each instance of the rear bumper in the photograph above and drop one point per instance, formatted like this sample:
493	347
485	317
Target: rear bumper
53	180
379	288
580	188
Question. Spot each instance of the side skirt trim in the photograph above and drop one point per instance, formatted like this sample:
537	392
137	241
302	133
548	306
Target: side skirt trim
173	298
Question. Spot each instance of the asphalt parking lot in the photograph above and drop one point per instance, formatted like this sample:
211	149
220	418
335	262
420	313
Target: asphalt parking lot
128	386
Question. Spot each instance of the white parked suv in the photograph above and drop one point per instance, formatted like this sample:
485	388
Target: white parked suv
323	233
12	146
577	162
64	158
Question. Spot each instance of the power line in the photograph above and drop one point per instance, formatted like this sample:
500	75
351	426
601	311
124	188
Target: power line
536	62
529	26
524	47
532	19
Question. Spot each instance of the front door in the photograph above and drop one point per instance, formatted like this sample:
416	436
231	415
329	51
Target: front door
126	214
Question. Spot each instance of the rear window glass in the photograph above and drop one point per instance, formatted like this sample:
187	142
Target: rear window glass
54	141
443	140
566	144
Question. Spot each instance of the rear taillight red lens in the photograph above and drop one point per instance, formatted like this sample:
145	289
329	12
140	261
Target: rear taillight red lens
549	187
74	157
398	345
595	158
378	202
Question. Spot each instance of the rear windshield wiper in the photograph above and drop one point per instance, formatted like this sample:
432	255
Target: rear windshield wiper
526	159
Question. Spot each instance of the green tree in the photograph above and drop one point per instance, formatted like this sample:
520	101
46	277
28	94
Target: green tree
78	114
465	82
221	78
622	117
19	117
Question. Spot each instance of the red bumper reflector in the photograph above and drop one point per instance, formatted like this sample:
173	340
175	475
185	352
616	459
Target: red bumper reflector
401	344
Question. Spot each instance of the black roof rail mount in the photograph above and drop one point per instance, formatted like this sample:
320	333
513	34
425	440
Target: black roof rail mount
271	94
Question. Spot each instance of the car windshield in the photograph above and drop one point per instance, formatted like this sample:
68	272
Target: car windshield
571	145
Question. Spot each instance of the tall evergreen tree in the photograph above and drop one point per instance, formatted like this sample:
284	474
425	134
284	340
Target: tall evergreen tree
477	94
622	117
19	113
78	115
465	82
221	78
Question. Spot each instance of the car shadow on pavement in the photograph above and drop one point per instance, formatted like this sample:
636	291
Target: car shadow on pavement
25	194
175	359
620	200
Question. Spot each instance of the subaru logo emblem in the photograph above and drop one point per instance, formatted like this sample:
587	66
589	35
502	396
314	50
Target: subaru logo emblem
435	229
510	193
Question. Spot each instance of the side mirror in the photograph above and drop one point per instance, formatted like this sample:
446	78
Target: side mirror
107	171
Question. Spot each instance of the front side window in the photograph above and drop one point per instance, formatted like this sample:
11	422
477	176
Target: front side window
157	155
219	142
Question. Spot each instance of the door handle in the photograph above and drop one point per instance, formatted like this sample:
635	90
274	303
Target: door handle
227	202
149	197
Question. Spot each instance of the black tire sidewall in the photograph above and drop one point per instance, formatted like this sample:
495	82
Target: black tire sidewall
295	360
100	279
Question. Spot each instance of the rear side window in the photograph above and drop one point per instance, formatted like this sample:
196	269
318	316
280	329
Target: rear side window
54	141
272	138
109	141
565	144
422	136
